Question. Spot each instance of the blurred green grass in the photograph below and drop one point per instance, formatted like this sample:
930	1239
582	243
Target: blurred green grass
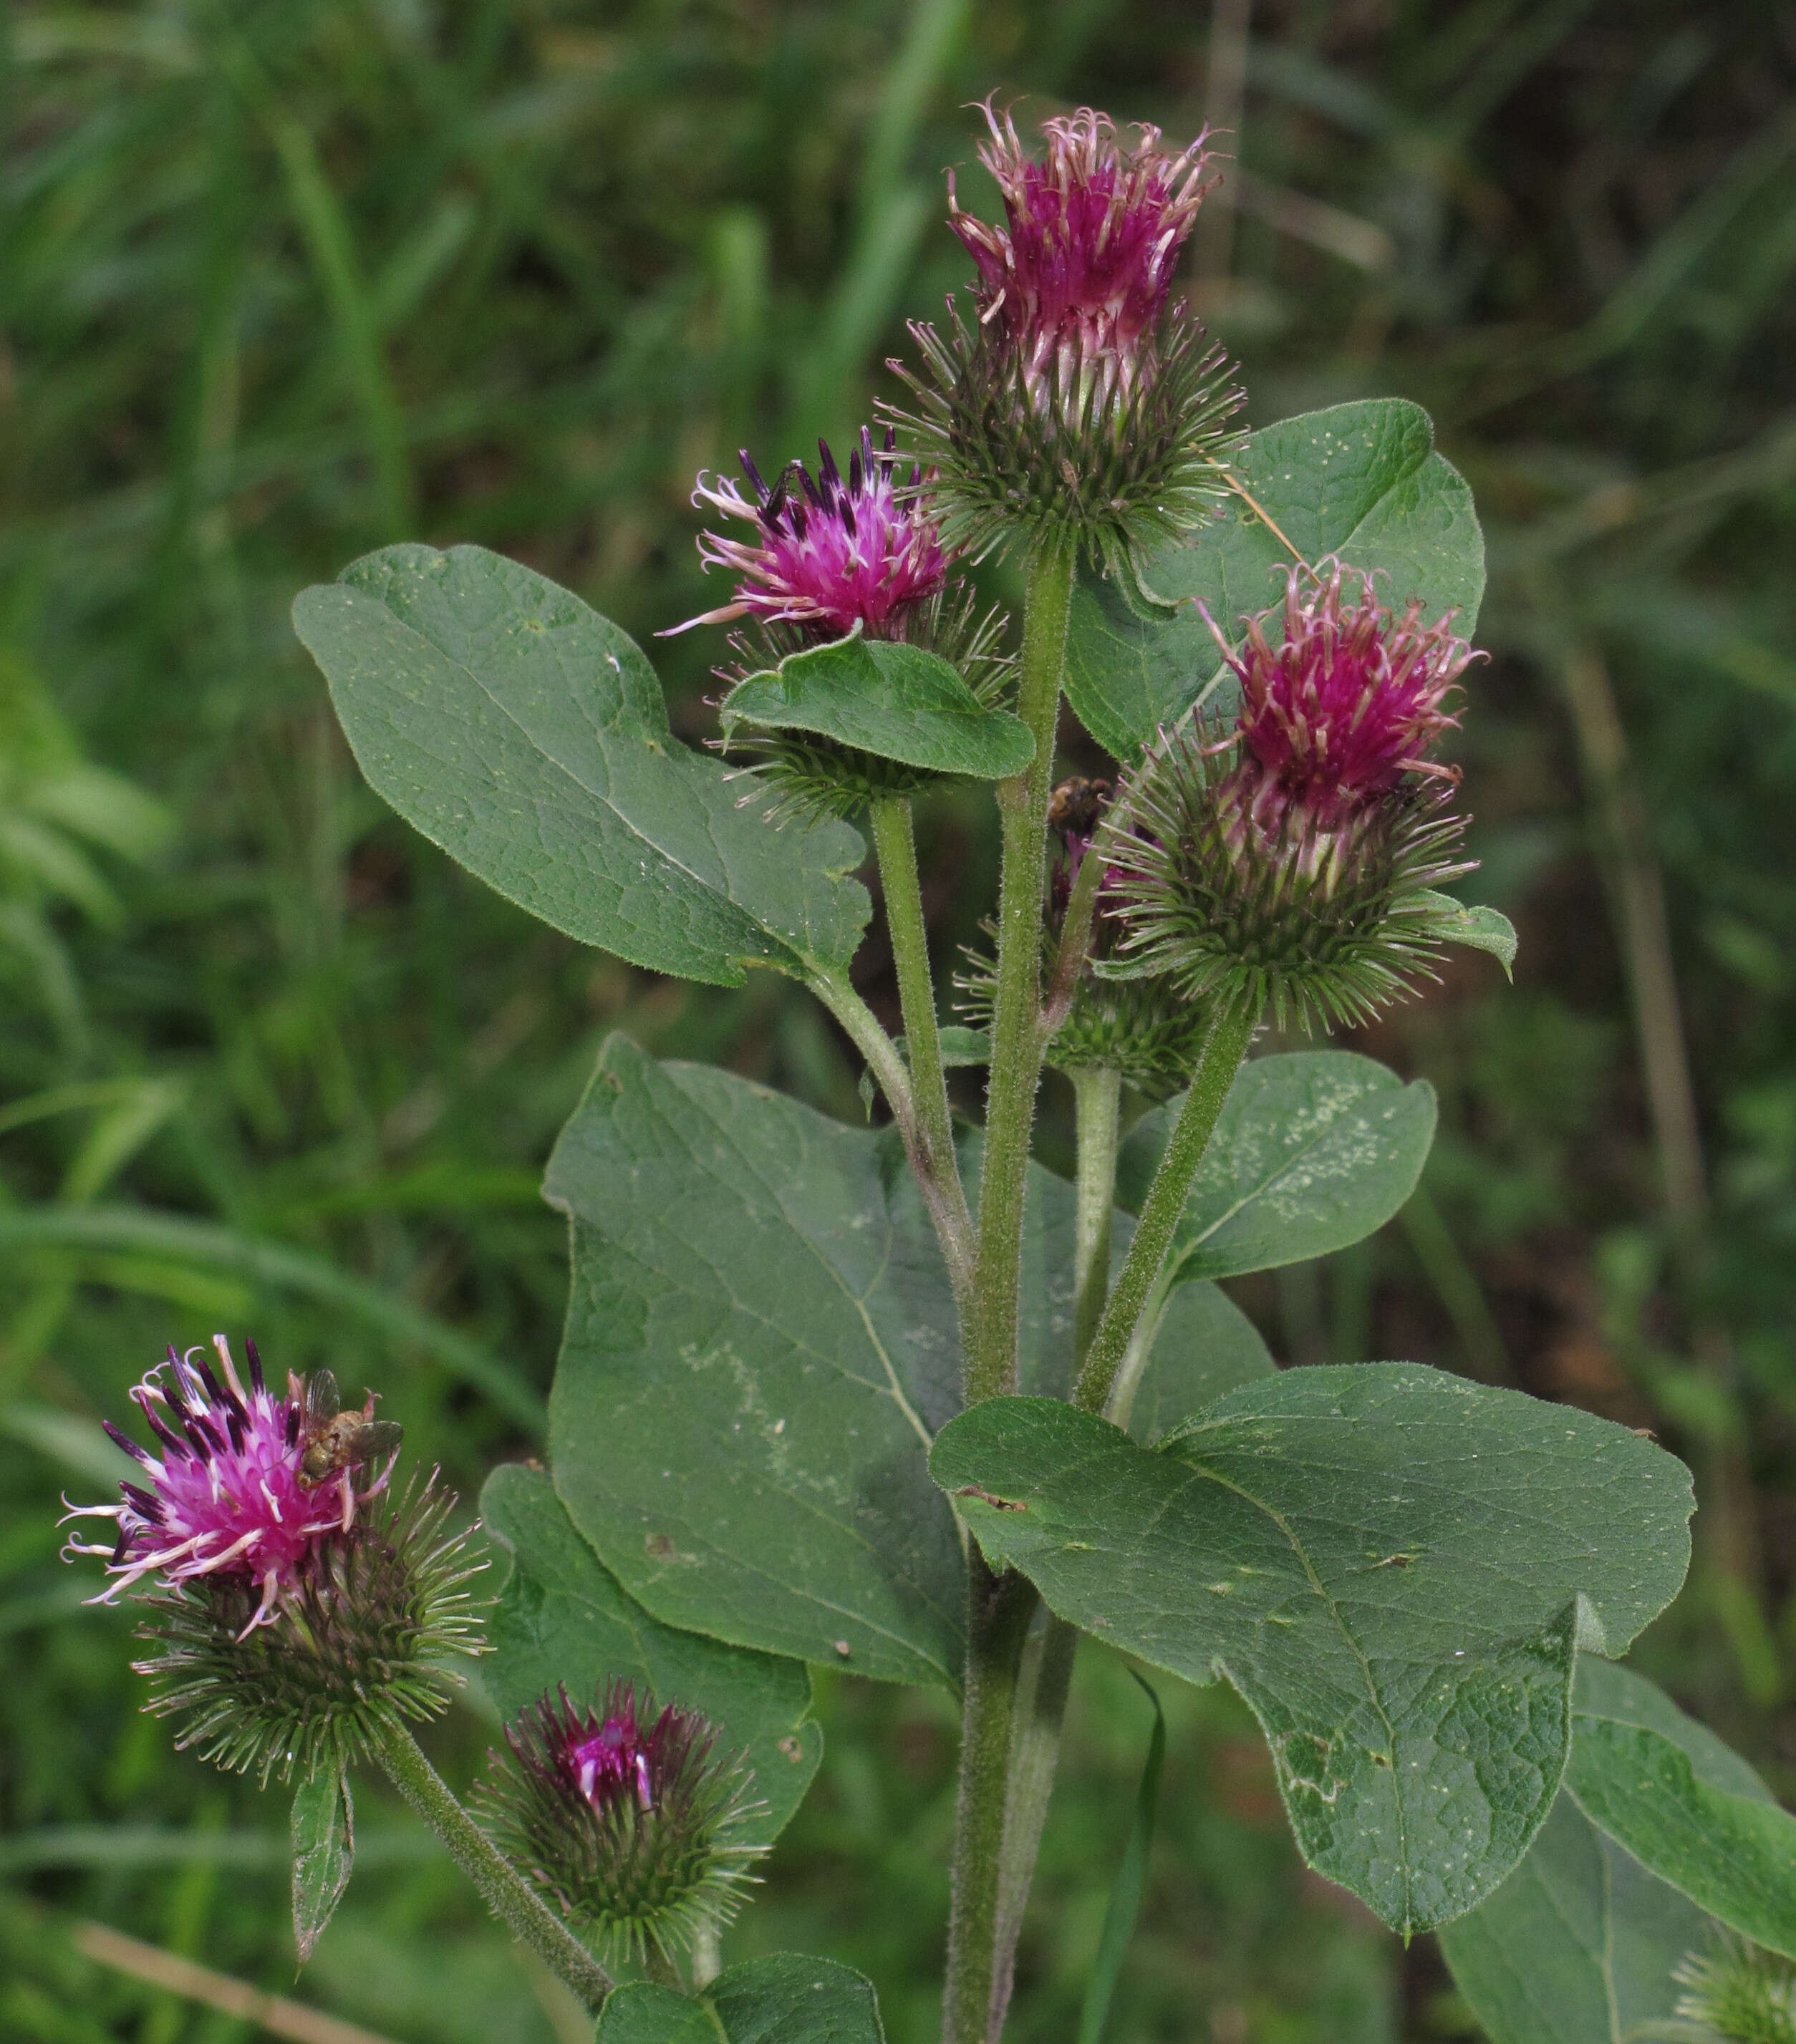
278	283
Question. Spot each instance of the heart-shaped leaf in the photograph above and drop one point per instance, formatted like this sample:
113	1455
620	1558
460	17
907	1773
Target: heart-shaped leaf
782	1999
526	735
896	702
1312	1151
1391	1565
1690	1811
1361	480
562	1618
760	1346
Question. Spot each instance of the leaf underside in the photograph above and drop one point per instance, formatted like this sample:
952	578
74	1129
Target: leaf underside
784	1999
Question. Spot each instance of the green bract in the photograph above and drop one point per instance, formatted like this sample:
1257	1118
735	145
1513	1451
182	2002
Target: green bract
1361	481
526	735
1393	1568
889	701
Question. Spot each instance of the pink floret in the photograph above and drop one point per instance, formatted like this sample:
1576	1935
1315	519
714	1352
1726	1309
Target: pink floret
225	1498
826	555
1081	272
1349	703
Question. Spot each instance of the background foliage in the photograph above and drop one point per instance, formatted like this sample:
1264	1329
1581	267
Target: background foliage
281	282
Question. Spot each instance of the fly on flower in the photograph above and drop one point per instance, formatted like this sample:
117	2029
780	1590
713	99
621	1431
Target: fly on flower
241	1487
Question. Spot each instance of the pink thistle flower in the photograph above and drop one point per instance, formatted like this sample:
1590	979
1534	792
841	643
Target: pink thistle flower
231	1494
1345	707
628	1819
1079	277
827	555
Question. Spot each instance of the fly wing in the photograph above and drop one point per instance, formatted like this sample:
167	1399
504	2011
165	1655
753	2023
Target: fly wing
377	1437
323	1400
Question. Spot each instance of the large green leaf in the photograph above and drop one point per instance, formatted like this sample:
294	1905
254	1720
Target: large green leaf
782	1999
1361	480
562	1617
527	736
1690	1810
1392	1566
1312	1151
1577	1946
896	702
761	1345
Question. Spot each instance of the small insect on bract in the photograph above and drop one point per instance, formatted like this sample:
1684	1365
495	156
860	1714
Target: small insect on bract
331	1439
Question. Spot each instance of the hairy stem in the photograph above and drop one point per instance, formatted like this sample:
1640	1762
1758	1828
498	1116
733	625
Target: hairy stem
937	1178
1098	1102
1217	1064
503	1890
1017	1039
998	1612
1035	1750
1076	942
895	843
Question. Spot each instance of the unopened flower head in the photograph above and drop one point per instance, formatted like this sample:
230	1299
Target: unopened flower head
1143	1027
1736	1990
1292	860
1077	279
1079	408
247	1482
829	554
626	1815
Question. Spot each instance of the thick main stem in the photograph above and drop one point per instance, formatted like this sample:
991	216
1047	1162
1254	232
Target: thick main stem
895	843
998	1612
502	1889
1098	1104
1017	1039
1220	1059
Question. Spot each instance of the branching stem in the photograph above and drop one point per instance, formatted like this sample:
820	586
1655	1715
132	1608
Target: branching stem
502	1888
1217	1064
1098	1102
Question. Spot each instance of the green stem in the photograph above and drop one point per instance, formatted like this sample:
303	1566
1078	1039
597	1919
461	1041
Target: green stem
895	843
502	1888
943	1193
1220	1060
998	1612
1075	941
1098	1103
1035	1749
1017	1039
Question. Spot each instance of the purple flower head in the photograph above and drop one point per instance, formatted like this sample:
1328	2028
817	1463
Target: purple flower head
626	1816
829	554
1078	277
1346	707
230	1495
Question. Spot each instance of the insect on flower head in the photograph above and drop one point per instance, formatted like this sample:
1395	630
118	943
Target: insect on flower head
248	1480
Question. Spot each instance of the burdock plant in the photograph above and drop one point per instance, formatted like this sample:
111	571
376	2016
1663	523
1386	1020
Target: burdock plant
809	1409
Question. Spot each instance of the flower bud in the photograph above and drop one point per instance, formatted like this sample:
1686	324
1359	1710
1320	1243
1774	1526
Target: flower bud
295	1606
1142	1028
1290	861
1737	1992
625	1817
1076	408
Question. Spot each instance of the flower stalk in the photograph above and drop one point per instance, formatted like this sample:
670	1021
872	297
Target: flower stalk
1097	1107
504	1891
1231	1030
1016	1038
